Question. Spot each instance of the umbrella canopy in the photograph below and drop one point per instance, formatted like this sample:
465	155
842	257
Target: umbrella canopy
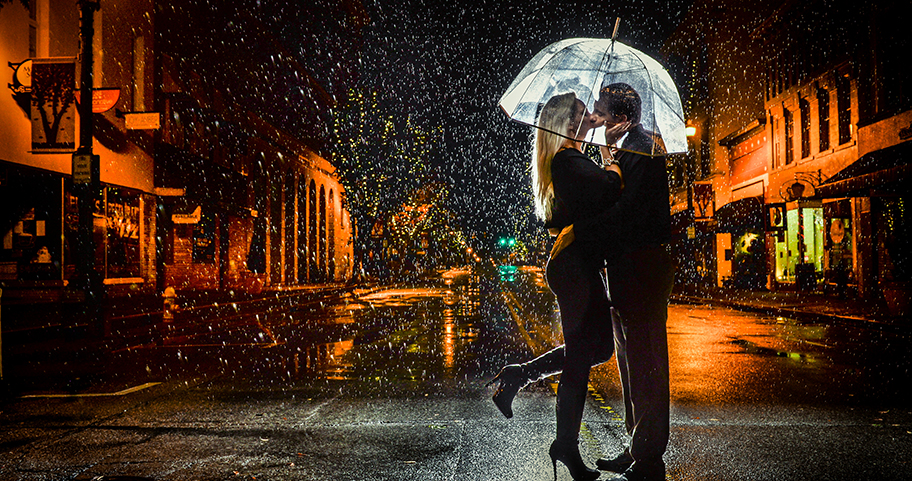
584	66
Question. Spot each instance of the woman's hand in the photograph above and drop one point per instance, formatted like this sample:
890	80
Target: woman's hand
609	163
614	167
563	240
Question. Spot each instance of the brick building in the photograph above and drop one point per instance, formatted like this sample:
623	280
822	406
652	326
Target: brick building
200	189
798	169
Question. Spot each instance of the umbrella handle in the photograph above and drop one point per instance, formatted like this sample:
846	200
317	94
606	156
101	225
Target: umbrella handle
617	22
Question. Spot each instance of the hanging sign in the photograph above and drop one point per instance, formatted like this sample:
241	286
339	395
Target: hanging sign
22	78
775	217
703	202
142	120
53	111
102	99
192	217
22	85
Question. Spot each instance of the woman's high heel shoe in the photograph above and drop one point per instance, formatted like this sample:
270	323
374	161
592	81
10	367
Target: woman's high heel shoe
568	453
512	378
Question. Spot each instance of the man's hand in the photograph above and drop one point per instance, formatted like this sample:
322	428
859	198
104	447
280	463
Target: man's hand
614	132
563	240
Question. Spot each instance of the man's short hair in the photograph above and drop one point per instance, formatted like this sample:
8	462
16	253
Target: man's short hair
622	99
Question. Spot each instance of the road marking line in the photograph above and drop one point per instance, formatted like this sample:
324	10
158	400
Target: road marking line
313	412
107	394
509	300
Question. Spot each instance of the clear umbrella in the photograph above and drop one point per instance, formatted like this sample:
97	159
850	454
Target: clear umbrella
586	66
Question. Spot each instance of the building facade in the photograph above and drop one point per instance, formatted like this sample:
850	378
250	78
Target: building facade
197	190
39	45
792	104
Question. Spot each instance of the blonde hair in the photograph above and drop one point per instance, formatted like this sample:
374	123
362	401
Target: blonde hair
555	117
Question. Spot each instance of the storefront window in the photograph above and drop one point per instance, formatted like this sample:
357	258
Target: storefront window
894	240
803	243
839	250
749	259
122	233
29	226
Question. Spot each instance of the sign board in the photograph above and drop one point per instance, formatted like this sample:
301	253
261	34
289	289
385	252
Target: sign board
22	78
82	168
191	218
170	191
703	202
102	99
142	120
775	217
53	105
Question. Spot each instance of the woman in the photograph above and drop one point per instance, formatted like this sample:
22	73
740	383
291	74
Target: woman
568	186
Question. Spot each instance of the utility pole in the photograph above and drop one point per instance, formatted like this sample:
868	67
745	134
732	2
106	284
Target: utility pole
86	173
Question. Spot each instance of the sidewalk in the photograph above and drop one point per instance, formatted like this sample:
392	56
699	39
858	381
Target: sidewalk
796	304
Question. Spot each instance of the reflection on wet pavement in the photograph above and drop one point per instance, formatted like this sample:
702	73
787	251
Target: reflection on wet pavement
328	359
752	348
415	335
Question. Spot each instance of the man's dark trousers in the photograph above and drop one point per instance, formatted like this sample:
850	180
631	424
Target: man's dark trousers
640	284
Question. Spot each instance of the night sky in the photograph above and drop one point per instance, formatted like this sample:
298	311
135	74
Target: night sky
449	64
440	63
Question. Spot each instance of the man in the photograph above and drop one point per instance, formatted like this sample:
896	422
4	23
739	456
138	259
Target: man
635	232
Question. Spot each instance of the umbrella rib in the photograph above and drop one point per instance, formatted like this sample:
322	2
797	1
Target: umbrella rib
563	51
603	67
652	92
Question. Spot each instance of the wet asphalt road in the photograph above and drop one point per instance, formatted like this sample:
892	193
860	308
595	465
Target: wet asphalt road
389	384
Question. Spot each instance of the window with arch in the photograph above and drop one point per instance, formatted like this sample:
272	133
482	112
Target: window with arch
804	110
301	246
331	240
312	231
823	119
321	238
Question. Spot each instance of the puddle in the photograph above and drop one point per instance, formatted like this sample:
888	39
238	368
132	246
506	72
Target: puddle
752	348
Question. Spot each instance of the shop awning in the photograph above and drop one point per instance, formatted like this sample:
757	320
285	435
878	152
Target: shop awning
746	213
884	171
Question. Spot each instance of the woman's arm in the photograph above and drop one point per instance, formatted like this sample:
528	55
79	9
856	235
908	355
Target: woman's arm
616	223
584	187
